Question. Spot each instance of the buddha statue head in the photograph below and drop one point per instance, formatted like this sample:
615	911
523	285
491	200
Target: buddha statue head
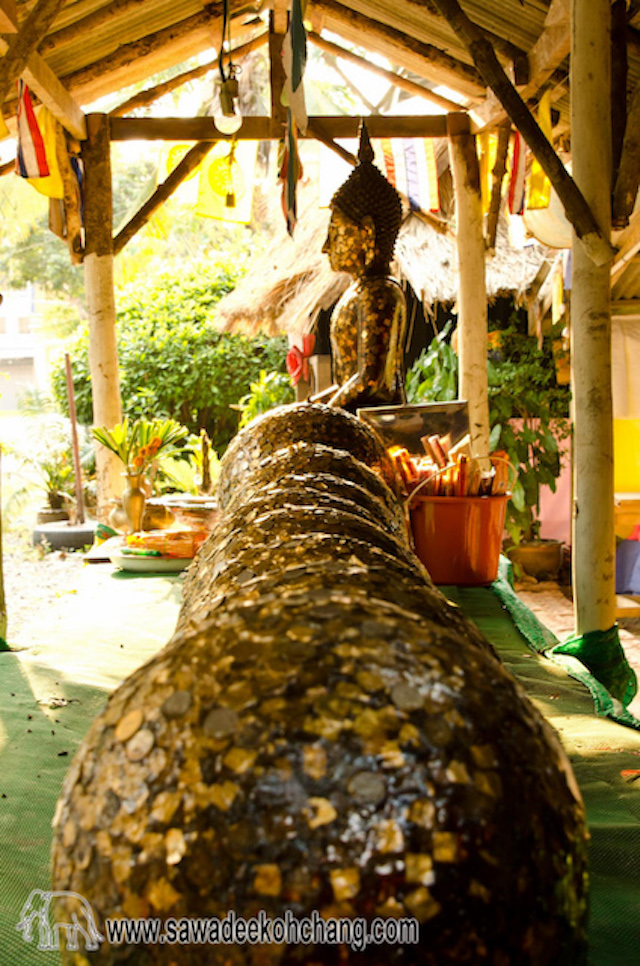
366	212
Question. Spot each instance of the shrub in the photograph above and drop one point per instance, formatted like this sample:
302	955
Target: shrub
173	363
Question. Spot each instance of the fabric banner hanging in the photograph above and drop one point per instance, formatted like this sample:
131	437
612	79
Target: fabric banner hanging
294	57
290	172
31	158
52	184
225	186
538	185
410	165
517	175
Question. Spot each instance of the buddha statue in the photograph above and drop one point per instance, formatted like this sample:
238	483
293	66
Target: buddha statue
368	324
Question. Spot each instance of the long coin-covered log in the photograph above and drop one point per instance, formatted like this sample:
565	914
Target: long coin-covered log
324	734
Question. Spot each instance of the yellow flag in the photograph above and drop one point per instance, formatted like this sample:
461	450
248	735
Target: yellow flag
52	185
4	130
538	185
488	147
225	188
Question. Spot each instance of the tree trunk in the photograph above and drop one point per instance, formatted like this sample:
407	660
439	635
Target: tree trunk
472	295
98	263
593	514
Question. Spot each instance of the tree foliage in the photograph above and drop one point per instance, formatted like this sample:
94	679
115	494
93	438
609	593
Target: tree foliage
173	363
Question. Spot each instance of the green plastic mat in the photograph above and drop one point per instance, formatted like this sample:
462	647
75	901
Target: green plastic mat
50	694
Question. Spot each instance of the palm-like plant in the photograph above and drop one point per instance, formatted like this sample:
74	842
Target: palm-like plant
139	443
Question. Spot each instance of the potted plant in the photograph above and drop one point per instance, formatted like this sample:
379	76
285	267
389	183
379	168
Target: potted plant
529	420
139	446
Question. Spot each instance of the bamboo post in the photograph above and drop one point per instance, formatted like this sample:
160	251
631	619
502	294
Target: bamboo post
75	449
593	509
3	603
98	265
472	295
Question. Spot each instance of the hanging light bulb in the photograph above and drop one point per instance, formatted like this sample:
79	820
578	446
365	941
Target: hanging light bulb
228	118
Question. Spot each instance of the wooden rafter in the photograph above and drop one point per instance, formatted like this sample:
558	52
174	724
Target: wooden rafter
21	59
261	129
25	41
426	59
626	186
546	55
146	97
277	30
8	17
499	171
576	208
87	25
403	82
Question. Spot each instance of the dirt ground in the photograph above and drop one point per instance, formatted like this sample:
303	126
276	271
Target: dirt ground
34	580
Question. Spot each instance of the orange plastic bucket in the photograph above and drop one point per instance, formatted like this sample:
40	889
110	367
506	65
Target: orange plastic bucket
458	538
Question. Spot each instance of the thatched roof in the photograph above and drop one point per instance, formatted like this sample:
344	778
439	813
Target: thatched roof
286	288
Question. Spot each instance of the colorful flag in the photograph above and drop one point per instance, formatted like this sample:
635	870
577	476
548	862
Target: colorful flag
409	164
539	186
225	186
517	180
294	56
290	172
31	158
51	185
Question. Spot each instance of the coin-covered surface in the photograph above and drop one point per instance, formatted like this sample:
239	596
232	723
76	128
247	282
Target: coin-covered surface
324	733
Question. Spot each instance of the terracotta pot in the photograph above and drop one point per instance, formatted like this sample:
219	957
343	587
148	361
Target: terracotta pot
541	559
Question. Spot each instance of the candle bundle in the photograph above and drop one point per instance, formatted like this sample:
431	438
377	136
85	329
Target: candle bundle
446	470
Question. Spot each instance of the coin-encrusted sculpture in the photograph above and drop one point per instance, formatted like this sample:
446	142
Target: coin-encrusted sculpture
368	323
324	732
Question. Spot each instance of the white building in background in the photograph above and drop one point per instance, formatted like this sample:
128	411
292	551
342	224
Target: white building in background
23	353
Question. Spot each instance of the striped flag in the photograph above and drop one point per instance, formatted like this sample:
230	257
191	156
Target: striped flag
410	166
31	158
517	182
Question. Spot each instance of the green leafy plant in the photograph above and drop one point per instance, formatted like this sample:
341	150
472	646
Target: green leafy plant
270	390
434	374
173	362
140	443
527	414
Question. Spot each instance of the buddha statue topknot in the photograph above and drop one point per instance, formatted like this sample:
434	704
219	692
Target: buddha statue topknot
369	322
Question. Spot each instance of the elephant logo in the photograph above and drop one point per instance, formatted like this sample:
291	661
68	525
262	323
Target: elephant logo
79	920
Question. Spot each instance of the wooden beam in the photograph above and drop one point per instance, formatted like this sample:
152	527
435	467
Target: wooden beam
619	72
25	42
276	72
426	59
182	170
260	128
548	52
87	26
101	309
8	17
402	82
626	186
45	85
472	294
142	57
499	171
576	208
628	243
593	541
144	98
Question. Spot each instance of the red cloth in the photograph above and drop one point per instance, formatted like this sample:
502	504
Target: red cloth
298	359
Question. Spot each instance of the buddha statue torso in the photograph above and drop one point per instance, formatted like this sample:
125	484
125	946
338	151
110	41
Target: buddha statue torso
367	341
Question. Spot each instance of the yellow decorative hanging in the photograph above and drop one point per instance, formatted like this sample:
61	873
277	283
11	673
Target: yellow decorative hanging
538	185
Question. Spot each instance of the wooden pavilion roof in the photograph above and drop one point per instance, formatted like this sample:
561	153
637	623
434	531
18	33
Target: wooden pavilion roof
76	51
